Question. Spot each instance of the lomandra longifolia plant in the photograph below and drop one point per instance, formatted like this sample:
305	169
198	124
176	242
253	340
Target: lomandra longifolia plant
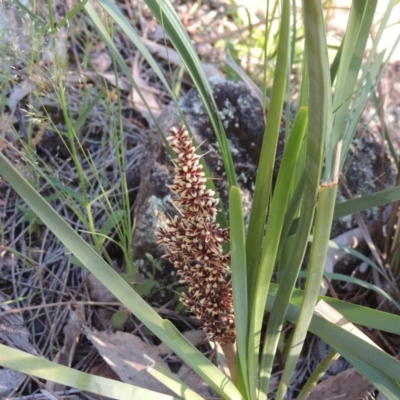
194	244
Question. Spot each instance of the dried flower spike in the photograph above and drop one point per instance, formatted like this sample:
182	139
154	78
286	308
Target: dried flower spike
194	244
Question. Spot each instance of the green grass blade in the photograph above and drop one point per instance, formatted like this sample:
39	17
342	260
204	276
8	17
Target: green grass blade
372	69
359	204
239	282
316	265
116	285
358	255
371	72
171	381
320	117
254	89
319	98
73	194
364	284
41	368
357	33
268	151
317	374
360	282
112	221
35	18
379	34
82	118
65	20
335	63
366	202
289	163
260	203
288	242
388	138
361	94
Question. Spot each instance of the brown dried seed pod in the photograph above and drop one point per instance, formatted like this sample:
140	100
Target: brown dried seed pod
194	244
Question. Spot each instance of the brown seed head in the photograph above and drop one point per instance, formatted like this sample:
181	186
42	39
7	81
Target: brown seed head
194	244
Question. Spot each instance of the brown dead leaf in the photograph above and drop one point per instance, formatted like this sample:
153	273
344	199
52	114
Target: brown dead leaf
14	334
349	385
101	61
173	57
187	375
17	93
7	258
123	83
150	95
97	291
72	331
152	29
124	353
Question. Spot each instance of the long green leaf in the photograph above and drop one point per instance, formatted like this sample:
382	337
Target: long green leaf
239	283
268	151
364	284
358	105
41	368
261	197
35	18
366	202
289	163
317	374
171	381
82	118
359	204
354	43
320	123
316	265
345	341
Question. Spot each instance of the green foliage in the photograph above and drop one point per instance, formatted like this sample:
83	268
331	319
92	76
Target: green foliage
118	319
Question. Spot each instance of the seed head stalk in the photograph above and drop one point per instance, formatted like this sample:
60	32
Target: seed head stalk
194	246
